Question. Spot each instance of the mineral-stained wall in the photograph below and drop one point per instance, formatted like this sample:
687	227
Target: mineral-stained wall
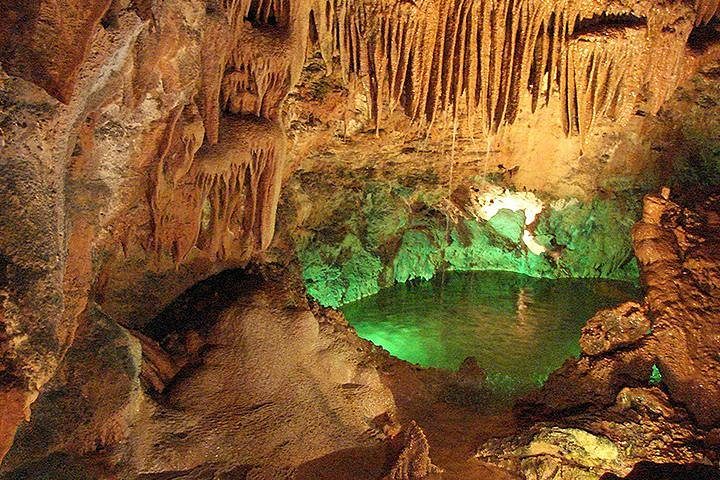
142	147
675	330
646	369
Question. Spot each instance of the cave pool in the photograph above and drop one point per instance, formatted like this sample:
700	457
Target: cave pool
518	328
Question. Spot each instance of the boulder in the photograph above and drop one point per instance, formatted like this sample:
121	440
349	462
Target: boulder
613	328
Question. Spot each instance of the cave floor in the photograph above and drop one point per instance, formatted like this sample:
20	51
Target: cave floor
453	431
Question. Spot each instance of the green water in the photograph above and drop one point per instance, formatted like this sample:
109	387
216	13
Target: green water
518	328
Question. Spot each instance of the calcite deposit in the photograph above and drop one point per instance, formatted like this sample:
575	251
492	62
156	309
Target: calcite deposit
624	421
147	146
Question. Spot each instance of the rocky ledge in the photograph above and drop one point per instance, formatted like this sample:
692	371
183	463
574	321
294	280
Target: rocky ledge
646	387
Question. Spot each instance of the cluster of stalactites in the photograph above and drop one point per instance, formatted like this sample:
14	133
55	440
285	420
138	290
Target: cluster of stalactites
217	182
239	184
479	59
219	198
267	52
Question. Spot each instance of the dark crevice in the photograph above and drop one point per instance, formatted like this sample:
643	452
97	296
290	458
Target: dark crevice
704	35
259	18
668	471
199	307
313	32
600	23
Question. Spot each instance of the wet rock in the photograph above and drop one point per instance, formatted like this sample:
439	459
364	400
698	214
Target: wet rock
641	426
620	346
470	373
589	382
555	453
614	328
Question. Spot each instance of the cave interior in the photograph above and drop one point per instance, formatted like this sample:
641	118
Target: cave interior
359	239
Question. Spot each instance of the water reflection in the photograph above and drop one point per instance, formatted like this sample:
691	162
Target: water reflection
519	328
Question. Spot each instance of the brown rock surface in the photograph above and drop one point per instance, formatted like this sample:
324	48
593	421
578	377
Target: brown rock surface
47	41
614	328
679	256
277	386
90	402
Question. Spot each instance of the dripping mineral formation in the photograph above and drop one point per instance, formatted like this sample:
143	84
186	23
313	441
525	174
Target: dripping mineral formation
176	176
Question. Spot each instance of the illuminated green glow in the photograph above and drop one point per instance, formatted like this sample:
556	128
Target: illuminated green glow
373	239
655	375
518	328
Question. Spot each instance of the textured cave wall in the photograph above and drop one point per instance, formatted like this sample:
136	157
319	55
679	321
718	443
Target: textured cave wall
143	147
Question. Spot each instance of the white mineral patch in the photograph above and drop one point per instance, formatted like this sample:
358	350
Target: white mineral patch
488	203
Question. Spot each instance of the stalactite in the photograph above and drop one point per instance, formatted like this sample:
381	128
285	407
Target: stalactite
215	50
240	178
480	57
604	78
171	210
473	61
267	53
220	198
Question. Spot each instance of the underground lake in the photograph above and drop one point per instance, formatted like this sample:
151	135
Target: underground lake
518	328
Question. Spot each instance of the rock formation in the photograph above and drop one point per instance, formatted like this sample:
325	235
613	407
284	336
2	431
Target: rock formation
143	146
676	249
413	461
640	426
674	331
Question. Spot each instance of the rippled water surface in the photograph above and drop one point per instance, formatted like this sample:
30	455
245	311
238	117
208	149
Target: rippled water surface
519	328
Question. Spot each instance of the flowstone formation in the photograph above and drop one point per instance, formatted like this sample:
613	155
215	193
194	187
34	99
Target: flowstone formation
648	378
144	143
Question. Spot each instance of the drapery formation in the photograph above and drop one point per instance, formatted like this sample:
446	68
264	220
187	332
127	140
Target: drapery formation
479	61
